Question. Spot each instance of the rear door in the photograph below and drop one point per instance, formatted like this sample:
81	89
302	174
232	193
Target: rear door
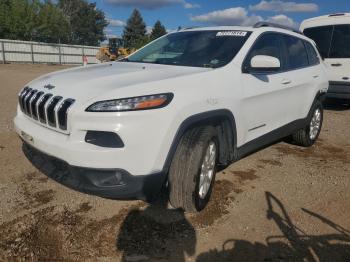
333	42
300	92
339	54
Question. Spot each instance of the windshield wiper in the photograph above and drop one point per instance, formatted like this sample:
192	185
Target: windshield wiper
208	66
124	60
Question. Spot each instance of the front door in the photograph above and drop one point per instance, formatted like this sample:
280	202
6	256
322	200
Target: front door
263	105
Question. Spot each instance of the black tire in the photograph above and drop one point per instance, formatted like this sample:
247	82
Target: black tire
302	137
185	169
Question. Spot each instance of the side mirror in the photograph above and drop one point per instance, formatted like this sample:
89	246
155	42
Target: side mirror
263	63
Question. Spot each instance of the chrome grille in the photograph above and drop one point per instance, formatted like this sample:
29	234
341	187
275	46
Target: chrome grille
45	108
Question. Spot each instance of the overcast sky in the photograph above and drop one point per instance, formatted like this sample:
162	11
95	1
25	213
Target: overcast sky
186	13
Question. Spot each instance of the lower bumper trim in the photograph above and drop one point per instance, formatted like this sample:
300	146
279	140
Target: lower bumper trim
109	183
339	90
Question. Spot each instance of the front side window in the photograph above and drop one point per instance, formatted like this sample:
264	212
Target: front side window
268	44
194	48
340	46
322	36
296	53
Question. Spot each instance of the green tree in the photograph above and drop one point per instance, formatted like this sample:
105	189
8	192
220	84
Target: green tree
18	18
157	31
52	21
134	34
5	7
86	22
52	25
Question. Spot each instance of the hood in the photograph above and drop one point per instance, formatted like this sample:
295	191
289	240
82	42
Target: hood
85	83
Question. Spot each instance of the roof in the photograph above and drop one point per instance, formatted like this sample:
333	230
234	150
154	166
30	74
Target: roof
218	28
255	27
331	19
260	27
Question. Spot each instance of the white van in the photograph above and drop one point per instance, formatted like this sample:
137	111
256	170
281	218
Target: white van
332	36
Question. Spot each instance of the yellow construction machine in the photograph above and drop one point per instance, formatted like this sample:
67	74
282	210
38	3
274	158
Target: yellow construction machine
114	51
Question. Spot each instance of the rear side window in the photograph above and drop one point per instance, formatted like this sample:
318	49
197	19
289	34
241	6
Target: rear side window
322	36
340	47
268	44
312	54
296	53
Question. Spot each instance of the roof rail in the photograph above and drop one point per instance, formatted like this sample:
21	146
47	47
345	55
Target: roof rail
269	24
187	28
336	14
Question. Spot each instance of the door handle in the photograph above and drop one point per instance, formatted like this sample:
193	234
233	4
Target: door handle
336	65
316	76
286	81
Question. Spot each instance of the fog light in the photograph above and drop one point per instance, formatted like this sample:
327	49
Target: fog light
111	180
104	139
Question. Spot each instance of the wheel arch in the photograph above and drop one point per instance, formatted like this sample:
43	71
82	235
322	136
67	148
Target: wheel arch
320	96
225	124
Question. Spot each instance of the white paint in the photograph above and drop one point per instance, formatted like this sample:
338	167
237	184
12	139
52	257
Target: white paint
263	61
148	134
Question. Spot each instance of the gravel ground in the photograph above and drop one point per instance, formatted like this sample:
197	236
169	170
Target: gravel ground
284	203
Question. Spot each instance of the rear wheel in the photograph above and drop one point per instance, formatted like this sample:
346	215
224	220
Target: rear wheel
193	169
308	135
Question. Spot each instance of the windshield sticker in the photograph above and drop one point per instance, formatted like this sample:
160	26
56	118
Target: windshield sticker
232	33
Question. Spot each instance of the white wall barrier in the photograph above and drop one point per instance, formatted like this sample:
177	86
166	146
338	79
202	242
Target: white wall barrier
14	51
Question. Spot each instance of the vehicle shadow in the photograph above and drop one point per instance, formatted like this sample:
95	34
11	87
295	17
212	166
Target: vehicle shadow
293	245
336	105
151	233
156	233
163	234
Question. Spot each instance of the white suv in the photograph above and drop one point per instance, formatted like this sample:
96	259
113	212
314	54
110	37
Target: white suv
332	36
172	113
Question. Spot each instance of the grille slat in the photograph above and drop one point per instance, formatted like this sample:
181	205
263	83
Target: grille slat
50	111
41	108
46	108
63	112
28	100
33	104
24	100
20	97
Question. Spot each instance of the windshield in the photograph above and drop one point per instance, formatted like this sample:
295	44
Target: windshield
197	49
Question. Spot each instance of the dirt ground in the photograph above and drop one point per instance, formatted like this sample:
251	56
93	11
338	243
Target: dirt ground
284	203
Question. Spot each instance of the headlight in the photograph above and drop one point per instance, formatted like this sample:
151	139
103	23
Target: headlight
132	103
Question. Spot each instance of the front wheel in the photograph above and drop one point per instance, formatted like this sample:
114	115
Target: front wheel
308	135
192	171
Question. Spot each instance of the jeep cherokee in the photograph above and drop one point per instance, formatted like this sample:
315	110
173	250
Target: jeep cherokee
173	112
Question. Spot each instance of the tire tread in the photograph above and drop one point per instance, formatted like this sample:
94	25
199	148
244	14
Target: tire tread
184	167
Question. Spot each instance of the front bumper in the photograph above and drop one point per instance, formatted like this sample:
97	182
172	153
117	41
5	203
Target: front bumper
146	144
339	90
107	183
